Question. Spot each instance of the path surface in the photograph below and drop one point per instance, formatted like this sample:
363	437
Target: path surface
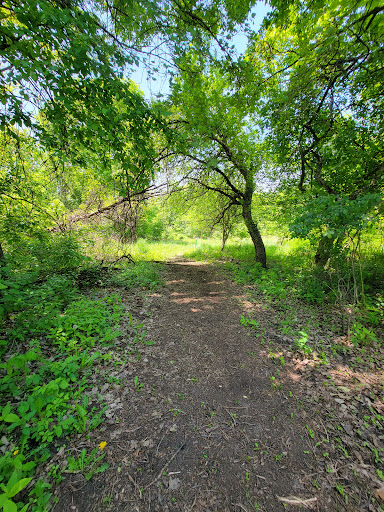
207	430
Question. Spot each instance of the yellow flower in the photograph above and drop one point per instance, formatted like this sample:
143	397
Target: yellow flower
15	452
102	445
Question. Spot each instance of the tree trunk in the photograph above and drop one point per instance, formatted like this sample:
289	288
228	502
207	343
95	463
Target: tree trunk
2	258
225	233
324	250
224	239
254	232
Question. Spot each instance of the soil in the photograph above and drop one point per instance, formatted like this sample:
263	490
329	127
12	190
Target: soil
205	419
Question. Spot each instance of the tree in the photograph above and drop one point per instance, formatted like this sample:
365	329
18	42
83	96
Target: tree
320	66
64	74
70	56
216	144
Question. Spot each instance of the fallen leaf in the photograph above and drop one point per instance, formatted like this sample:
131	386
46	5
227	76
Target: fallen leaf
148	443
174	484
380	493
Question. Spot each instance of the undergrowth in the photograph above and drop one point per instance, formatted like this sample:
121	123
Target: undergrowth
346	293
52	339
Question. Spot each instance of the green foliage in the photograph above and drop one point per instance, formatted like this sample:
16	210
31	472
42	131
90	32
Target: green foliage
249	322
43	392
323	115
334	217
361	336
151	224
22	295
143	275
87	464
281	281
53	253
14	478
84	322
301	343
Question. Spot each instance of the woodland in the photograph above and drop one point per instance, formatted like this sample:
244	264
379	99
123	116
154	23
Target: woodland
266	161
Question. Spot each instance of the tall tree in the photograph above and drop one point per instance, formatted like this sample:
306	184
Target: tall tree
320	65
65	67
218	144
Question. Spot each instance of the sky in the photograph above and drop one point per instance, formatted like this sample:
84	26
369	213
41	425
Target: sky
160	85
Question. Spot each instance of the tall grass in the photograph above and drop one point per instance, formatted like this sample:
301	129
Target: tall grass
108	249
291	259
240	250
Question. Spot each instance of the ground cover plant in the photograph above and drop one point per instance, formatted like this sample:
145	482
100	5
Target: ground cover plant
54	340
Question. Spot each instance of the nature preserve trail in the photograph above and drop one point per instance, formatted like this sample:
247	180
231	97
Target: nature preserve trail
204	428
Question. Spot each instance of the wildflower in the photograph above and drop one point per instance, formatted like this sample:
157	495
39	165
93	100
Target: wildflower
102	445
16	452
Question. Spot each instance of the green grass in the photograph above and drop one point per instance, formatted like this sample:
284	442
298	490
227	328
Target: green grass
142	250
143	274
291	269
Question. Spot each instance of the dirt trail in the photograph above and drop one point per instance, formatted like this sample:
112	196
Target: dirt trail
205	429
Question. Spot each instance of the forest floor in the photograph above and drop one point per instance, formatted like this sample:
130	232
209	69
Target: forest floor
214	416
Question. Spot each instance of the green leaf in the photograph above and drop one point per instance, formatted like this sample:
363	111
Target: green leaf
19	486
28	466
11	418
6	410
9	506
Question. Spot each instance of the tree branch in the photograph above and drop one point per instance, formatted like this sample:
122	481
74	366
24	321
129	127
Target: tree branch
237	191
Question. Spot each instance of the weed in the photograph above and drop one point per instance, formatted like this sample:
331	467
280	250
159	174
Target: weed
340	489
361	336
249	322
107	500
87	464
310	432
301	343
143	274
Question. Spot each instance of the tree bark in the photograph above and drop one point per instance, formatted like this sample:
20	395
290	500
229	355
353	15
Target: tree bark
324	250
254	232
2	257
224	238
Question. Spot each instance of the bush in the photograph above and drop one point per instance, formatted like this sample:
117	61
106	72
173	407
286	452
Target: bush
47	254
